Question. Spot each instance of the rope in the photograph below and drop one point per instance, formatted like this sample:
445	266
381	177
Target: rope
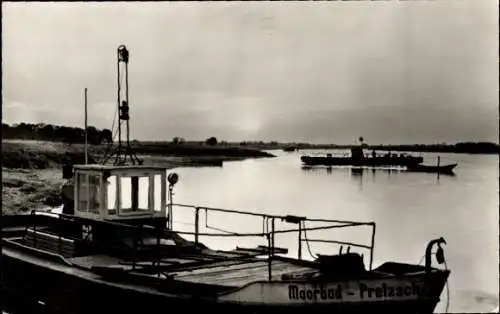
447	289
422	259
307	241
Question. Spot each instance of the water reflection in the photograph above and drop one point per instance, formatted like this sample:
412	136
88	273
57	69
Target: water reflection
354	171
360	174
359	171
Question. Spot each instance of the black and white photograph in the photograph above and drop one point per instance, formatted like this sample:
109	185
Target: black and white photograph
250	157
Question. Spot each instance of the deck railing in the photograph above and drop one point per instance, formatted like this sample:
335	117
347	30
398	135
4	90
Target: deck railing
269	231
269	228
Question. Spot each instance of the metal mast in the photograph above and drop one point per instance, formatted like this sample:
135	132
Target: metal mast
86	130
123	151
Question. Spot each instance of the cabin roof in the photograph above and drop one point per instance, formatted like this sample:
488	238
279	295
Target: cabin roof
98	167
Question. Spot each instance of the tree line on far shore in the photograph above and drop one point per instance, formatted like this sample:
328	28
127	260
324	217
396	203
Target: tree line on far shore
75	135
56	133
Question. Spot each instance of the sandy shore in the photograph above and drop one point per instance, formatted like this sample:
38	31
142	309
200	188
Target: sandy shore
26	189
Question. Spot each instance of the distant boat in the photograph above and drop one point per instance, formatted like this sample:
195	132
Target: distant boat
445	169
358	158
289	149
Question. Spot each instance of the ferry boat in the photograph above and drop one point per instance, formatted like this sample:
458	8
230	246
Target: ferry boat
358	158
115	248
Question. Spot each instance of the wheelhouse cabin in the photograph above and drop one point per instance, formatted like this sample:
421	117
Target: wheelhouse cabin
126	194
113	209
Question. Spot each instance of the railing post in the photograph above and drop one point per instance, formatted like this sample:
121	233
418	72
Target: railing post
272	233
135	241
59	235
269	265
170	209
300	240
196	224
157	256
33	213
372	246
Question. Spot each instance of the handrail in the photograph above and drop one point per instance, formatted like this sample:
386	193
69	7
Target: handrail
338	242
249	213
269	231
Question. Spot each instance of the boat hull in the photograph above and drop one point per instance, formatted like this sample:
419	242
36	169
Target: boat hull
446	169
66	289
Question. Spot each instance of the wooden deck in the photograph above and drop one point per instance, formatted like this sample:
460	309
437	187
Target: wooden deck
194	270
240	273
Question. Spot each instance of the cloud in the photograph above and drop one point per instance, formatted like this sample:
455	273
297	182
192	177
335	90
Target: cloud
404	72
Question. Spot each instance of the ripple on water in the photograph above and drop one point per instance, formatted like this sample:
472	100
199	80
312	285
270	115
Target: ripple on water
474	301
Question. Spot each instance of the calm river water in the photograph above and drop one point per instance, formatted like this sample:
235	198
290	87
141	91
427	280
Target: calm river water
409	209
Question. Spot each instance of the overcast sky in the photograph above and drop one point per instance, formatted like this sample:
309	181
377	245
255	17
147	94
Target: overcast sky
321	72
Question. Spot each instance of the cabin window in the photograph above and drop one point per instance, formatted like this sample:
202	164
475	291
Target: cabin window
157	192
81	179
94	193
143	201
89	192
135	195
111	187
126	198
139	194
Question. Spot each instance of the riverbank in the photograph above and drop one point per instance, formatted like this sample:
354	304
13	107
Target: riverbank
33	154
32	175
